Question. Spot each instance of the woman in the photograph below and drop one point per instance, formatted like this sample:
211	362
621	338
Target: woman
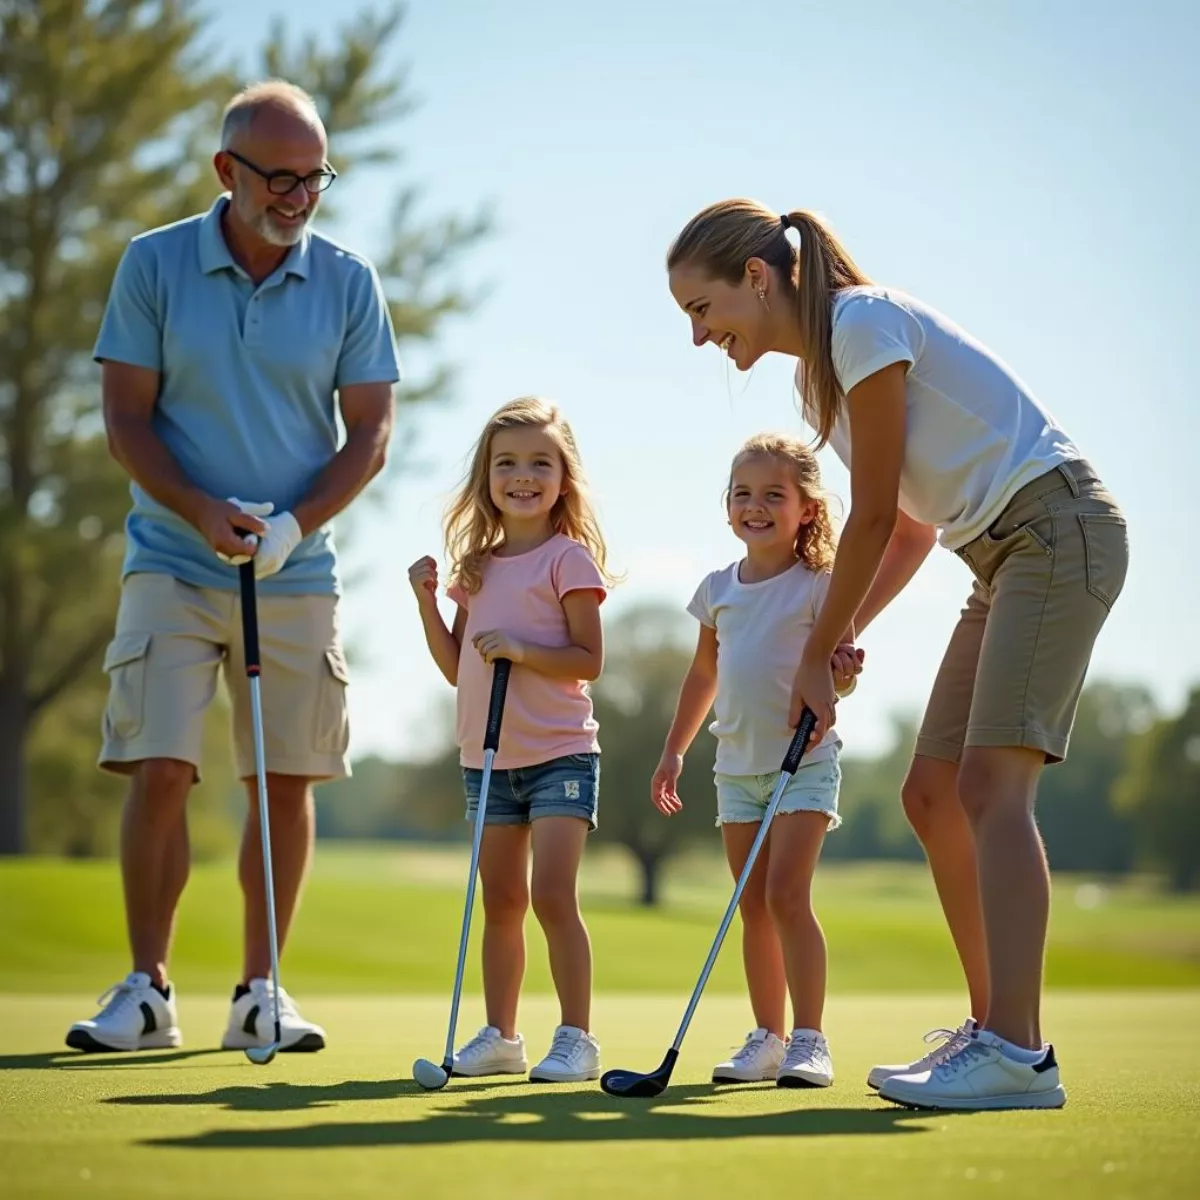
943	442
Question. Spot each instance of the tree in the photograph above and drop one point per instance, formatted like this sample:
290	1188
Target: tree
1082	827
108	115
1161	792
647	653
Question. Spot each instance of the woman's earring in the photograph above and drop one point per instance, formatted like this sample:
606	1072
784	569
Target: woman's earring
762	296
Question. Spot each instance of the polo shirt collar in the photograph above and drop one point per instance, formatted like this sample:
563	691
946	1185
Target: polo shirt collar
215	255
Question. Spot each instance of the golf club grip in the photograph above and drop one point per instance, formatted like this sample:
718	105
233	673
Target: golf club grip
799	743
249	617
491	735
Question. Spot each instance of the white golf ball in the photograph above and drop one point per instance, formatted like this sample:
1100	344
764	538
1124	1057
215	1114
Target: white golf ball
429	1075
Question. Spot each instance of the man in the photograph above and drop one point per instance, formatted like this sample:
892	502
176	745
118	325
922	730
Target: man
226	338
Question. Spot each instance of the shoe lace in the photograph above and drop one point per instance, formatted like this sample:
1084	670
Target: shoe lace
804	1047
567	1045
960	1058
478	1044
951	1039
751	1047
116	998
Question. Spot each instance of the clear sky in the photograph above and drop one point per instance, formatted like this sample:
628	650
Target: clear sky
1030	168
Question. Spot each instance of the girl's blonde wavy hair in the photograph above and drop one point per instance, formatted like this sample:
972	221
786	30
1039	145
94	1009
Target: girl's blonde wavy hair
473	525
816	542
725	236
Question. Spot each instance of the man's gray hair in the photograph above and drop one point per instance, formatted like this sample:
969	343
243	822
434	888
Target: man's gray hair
250	101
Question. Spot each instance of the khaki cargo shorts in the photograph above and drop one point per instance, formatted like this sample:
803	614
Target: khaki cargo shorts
172	639
1047	573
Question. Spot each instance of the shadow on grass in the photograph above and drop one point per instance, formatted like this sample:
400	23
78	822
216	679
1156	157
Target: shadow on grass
280	1096
75	1060
686	1113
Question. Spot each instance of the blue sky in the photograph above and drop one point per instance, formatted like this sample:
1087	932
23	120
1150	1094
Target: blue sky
1022	166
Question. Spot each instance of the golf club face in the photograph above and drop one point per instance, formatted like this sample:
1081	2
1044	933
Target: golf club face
261	1055
429	1075
632	1084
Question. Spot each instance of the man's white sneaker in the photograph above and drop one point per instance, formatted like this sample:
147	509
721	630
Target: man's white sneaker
252	1021
574	1057
950	1040
760	1058
487	1053
981	1073
134	1015
807	1062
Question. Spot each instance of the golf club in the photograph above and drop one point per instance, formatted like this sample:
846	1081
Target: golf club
428	1074
630	1083
260	1055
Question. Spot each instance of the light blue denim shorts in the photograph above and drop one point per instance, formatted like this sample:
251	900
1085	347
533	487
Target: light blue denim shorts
563	787
742	799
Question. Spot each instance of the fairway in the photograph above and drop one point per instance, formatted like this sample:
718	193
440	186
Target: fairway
372	961
350	1122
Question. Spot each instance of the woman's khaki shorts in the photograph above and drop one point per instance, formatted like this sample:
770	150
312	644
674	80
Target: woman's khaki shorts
172	639
1046	575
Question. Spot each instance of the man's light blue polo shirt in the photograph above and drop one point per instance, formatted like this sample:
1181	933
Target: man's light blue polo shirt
248	376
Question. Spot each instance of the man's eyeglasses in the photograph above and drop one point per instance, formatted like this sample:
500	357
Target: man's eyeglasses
280	183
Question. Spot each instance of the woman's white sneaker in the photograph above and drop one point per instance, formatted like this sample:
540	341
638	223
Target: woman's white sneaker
760	1058
950	1040
252	1021
487	1053
982	1073
574	1057
807	1062
134	1015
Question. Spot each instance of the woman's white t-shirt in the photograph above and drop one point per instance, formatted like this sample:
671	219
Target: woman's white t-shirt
976	434
761	630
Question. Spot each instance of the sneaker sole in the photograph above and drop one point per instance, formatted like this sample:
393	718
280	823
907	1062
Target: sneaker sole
802	1081
1056	1098
163	1039
458	1073
310	1043
577	1077
718	1077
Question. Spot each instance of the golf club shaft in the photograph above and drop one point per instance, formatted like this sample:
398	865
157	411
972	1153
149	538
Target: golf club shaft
476	841
790	763
491	743
253	672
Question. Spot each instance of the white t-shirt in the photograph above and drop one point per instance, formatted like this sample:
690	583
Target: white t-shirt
976	434
761	631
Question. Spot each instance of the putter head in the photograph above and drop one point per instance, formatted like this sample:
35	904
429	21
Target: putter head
261	1055
630	1083
429	1075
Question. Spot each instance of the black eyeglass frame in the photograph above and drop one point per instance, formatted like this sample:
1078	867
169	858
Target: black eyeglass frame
323	178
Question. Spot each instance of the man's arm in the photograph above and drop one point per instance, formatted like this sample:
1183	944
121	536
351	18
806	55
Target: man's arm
368	412
129	394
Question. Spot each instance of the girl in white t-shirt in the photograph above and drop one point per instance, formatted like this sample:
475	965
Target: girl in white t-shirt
755	616
943	442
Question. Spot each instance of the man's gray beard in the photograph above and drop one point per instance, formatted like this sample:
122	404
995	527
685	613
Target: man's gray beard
264	225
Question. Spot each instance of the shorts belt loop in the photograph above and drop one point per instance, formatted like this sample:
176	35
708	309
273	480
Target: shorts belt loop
1068	471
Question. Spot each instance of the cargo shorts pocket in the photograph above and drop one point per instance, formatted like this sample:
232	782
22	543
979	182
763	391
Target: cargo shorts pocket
332	732
1106	549
125	665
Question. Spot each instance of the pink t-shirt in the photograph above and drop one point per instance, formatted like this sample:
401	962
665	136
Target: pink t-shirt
543	718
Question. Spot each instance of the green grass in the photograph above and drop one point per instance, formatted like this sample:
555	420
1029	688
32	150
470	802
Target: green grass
372	959
349	1122
385	921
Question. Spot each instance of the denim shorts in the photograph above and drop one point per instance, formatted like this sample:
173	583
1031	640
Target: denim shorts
563	787
742	799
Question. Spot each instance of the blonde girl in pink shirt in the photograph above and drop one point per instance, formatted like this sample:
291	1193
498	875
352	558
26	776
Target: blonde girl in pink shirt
527	575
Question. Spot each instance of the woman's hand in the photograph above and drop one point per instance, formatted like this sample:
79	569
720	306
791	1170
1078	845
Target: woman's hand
813	688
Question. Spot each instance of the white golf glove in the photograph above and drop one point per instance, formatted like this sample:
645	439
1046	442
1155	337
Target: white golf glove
282	537
261	511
